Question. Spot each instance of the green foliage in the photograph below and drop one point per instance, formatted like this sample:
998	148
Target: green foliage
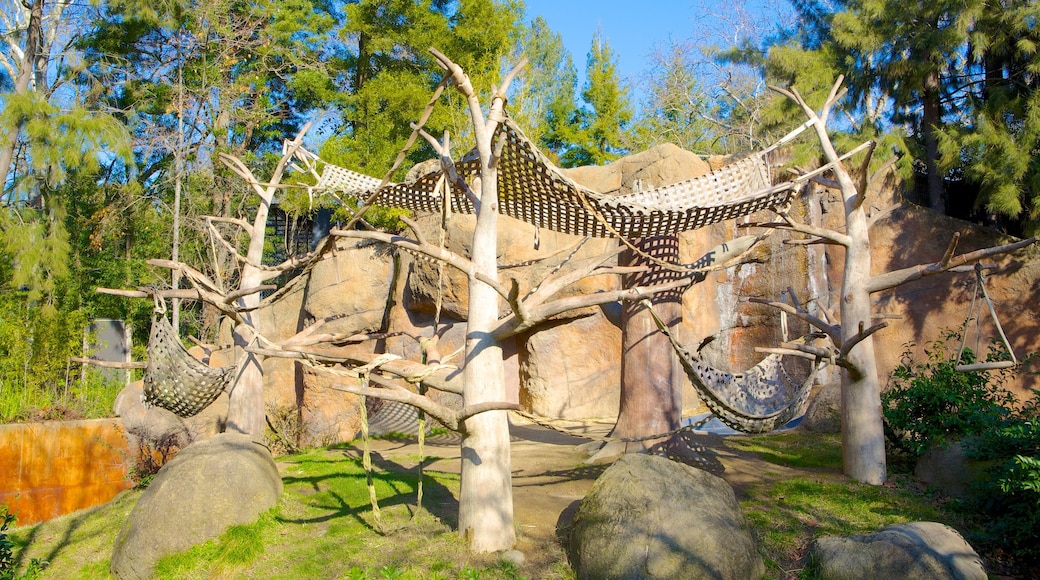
542	96
932	403
37	381
8	563
1008	500
388	74
595	133
678	108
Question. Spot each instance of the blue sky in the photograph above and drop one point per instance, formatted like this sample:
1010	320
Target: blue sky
635	28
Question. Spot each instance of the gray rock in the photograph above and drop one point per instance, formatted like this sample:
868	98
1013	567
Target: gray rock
209	486
649	517
917	550
949	469
824	412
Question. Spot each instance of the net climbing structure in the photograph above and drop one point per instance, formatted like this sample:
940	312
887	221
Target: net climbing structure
532	189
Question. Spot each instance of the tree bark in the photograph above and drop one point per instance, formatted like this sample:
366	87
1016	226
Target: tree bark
486	496
862	429
651	392
929	127
33	37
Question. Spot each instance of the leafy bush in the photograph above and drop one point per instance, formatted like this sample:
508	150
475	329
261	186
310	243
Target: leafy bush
932	403
1009	497
8	563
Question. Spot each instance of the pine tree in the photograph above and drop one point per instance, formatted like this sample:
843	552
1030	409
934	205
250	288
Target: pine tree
596	131
387	72
543	97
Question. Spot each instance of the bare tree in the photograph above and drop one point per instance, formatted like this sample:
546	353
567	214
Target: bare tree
485	501
863	441
246	403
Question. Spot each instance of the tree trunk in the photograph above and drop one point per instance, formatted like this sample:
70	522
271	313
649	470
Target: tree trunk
651	390
862	430
33	36
246	400
486	497
929	128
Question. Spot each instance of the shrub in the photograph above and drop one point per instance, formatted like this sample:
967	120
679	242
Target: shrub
932	403
1010	496
8	563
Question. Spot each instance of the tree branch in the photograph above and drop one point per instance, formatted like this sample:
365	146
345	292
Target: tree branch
895	278
833	331
425	249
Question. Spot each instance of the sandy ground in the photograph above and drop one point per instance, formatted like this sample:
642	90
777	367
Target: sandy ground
551	476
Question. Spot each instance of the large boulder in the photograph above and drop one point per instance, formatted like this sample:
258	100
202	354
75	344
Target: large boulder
949	469
211	485
917	550
562	377
650	517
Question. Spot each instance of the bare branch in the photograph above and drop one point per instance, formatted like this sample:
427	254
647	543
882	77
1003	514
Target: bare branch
109	364
188	271
425	249
859	337
443	377
446	415
833	331
895	278
238	222
247	291
950	250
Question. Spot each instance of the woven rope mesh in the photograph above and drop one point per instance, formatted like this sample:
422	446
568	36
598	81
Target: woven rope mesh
531	189
177	381
757	401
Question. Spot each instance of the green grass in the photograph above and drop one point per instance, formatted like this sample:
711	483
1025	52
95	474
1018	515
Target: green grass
324	527
787	514
794	449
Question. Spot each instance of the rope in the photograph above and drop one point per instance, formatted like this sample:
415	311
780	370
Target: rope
366	454
980	286
547	423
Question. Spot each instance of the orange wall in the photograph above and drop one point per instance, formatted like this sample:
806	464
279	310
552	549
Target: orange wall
54	468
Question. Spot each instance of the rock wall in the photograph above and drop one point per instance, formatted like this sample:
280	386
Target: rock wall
570	368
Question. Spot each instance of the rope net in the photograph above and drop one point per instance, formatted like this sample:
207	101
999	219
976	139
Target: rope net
532	189
177	381
759	400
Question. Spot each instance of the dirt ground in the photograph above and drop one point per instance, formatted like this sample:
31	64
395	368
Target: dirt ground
551	476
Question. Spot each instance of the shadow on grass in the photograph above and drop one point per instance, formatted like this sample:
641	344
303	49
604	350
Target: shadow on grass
343	493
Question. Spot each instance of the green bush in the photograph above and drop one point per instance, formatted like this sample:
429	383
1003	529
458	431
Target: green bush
1009	498
932	403
8	563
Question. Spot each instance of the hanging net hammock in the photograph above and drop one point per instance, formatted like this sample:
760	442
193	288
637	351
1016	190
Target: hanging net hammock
533	190
759	400
175	380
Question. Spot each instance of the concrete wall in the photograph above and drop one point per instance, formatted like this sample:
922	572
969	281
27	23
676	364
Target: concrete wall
54	468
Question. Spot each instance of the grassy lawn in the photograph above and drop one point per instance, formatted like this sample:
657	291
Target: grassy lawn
324	526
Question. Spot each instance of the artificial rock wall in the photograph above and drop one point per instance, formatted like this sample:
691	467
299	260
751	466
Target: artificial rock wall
570	367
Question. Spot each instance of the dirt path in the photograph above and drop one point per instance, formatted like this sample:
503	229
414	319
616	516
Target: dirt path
550	477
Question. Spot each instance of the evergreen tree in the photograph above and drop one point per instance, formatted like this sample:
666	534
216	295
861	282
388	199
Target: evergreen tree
995	141
597	130
386	73
543	96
